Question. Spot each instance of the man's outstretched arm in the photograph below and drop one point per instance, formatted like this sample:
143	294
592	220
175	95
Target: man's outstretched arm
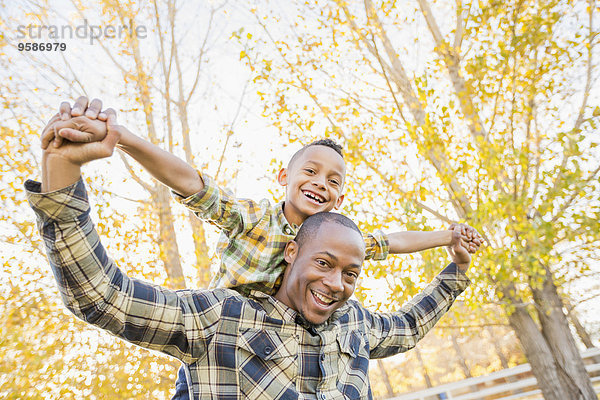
91	285
392	333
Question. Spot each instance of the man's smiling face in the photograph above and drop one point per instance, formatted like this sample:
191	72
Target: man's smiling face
322	271
314	182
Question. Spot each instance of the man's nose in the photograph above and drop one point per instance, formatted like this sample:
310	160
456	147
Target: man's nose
333	281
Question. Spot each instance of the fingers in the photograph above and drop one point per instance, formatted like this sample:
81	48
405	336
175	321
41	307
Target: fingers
112	137
103	116
74	135
65	110
79	107
111	116
48	131
94	109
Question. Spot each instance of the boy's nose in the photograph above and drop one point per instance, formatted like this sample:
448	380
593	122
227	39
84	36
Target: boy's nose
318	182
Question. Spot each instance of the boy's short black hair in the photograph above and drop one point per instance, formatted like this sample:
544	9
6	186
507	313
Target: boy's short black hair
321	142
311	225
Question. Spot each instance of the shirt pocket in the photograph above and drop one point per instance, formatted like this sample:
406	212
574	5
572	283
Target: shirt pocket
353	365
267	364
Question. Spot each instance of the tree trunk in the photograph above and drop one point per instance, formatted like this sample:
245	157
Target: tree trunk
498	348
169	250
200	251
539	353
579	328
461	357
386	378
555	329
424	368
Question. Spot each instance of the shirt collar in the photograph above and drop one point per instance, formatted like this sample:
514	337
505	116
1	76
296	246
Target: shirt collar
288	229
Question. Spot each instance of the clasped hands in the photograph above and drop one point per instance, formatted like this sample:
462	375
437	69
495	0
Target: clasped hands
82	133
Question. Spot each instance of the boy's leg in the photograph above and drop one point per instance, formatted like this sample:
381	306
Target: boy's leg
181	386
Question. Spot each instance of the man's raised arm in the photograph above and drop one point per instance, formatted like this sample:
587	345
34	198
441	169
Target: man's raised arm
392	333
91	285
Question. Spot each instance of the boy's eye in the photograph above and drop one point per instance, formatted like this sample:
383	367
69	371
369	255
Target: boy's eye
334	182
310	170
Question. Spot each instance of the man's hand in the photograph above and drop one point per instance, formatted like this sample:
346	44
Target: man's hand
81	153
465	240
81	124
61	166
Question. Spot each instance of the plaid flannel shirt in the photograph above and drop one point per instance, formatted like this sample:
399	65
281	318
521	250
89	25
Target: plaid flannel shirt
234	347
253	237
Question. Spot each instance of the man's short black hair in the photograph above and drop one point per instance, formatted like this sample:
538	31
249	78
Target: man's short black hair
311	225
321	142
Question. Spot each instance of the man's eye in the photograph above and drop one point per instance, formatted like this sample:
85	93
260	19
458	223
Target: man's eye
352	275
322	263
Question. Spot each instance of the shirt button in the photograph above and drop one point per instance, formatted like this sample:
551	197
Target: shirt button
323	359
268	350
323	396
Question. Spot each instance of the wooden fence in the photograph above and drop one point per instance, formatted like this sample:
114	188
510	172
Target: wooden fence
512	383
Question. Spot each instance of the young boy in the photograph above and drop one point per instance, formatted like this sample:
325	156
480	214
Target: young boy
254	234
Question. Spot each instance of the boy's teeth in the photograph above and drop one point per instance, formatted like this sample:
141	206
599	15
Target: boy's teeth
313	196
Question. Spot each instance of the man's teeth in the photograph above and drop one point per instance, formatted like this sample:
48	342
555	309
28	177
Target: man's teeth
323	298
315	197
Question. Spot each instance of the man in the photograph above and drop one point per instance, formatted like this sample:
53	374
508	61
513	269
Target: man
307	341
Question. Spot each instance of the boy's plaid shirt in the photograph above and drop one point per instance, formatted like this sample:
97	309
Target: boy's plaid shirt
235	347
253	237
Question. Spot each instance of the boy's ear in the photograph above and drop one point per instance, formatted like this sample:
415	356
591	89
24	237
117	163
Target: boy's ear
282	177
290	252
338	203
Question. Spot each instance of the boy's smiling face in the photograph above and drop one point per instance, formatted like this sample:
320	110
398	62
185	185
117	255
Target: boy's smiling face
314	182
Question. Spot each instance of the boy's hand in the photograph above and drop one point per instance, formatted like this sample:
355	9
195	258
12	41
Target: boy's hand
469	235
81	124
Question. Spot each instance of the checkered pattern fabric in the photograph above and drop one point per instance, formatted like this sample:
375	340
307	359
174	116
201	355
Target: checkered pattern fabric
253	238
234	347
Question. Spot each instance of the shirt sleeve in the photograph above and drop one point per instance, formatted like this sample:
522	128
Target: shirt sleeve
392	333
93	288
221	208
377	246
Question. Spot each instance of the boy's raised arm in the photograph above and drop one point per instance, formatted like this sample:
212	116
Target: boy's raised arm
82	123
162	165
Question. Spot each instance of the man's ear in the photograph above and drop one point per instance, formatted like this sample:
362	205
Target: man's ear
338	203
291	251
282	177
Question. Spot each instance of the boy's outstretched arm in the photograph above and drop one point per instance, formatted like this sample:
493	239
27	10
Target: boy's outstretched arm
162	165
414	241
